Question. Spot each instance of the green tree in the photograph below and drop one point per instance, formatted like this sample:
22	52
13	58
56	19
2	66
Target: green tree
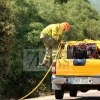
28	21
80	18
7	31
60	1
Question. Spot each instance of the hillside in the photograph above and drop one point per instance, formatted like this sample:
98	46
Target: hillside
96	4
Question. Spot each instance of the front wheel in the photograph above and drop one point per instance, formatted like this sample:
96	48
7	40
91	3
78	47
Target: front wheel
73	92
59	94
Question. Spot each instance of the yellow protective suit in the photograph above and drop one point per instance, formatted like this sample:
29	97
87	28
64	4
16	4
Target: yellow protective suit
53	30
50	36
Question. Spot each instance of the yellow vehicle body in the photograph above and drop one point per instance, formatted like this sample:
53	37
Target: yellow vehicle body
76	68
65	67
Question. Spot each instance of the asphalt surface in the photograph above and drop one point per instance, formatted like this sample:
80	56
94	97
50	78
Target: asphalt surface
90	95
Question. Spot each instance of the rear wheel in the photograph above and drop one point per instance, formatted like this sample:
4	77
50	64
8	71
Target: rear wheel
84	90
59	93
73	92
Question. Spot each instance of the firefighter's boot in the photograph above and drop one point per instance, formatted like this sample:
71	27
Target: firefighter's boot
44	63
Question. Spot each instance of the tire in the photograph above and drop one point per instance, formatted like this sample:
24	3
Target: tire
84	90
73	92
59	94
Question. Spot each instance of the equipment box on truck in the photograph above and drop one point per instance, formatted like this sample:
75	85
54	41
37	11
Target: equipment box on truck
76	68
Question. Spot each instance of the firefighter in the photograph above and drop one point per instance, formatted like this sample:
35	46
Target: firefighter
50	37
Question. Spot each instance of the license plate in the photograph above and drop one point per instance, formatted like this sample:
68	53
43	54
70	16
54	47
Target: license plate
81	81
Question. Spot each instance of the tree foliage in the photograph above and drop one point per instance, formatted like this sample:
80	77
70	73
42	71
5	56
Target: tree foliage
28	21
7	31
81	17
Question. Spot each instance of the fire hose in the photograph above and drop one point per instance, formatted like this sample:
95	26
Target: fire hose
59	46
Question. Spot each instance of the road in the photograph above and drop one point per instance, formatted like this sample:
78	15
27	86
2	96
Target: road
90	95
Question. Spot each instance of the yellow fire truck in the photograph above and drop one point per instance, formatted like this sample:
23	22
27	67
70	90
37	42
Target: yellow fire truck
76	68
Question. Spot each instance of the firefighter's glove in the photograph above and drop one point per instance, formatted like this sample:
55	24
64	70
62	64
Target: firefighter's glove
62	43
59	41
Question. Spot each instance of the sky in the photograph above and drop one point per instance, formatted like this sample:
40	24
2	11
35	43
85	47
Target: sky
96	4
